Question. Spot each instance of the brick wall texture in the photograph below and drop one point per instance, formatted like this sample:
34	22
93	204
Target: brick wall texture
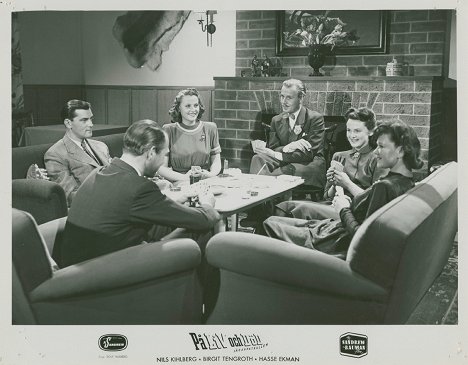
240	103
416	37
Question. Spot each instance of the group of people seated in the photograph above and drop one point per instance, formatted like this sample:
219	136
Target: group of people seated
115	204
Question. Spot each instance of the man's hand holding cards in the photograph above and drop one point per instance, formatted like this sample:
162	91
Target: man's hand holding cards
258	146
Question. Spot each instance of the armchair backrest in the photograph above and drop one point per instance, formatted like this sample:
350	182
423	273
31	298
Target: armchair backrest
44	200
404	245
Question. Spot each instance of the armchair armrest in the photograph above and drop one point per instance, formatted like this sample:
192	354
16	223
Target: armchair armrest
44	200
281	262
119	269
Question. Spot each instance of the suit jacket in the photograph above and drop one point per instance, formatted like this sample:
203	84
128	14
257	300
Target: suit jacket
309	125
68	165
115	208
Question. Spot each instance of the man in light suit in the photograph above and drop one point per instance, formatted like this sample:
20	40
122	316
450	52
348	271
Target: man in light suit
70	160
296	139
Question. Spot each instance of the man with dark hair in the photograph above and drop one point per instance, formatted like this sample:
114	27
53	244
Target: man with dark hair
117	207
70	160
296	139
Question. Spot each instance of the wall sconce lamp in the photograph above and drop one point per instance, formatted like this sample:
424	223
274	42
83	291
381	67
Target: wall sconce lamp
209	27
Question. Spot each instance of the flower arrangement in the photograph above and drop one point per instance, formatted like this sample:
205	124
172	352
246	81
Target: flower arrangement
318	29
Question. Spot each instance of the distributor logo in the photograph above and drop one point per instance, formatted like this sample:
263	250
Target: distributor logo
113	342
353	344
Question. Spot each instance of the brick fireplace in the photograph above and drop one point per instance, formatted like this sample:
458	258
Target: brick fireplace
239	104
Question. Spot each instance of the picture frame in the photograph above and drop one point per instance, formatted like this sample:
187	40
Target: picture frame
371	26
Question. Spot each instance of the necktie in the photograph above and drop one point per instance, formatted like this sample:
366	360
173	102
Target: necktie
84	145
292	120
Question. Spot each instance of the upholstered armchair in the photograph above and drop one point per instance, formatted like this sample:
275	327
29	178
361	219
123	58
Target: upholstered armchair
392	261
154	283
44	200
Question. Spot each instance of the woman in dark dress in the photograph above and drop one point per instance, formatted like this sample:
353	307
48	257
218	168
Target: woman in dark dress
398	149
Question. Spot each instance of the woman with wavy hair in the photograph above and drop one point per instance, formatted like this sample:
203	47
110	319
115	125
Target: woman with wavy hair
359	169
192	142
398	150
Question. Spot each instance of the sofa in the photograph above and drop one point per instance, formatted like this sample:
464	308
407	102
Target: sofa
154	283
392	261
33	195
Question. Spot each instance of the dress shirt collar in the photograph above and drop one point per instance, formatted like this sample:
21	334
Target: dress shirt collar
76	141
132	165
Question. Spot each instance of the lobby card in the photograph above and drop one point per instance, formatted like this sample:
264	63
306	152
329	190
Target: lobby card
213	344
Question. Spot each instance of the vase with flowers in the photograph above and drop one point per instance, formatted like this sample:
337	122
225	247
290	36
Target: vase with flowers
321	34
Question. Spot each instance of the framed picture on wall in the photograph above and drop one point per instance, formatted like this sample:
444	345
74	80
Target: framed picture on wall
352	32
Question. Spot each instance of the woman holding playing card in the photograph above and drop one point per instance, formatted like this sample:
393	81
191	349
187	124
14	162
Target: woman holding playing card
350	171
192	142
398	150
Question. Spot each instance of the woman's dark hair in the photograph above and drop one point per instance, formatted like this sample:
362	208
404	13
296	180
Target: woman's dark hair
174	111
402	135
142	136
365	115
68	110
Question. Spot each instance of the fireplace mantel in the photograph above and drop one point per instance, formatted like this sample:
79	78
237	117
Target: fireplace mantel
240	102
333	78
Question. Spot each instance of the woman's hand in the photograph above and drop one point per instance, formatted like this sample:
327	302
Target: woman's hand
340	202
331	192
331	175
342	179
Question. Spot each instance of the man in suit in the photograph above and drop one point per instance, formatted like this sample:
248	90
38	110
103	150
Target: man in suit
296	139
70	160
117	207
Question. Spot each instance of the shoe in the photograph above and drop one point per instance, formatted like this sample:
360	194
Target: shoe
248	222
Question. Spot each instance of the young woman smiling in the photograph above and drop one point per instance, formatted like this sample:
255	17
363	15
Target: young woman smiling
192	142
398	150
359	169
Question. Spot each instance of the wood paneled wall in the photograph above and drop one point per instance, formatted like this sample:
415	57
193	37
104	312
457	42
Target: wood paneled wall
111	104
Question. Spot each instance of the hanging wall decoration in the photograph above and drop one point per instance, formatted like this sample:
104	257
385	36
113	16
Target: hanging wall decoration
145	35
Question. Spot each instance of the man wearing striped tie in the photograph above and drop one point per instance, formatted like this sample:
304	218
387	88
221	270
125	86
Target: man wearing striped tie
70	160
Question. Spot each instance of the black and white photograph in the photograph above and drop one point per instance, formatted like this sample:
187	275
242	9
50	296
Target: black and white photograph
244	183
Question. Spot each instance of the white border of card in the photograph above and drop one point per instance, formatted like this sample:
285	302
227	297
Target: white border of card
426	344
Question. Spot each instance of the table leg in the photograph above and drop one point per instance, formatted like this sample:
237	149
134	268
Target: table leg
233	219
221	226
